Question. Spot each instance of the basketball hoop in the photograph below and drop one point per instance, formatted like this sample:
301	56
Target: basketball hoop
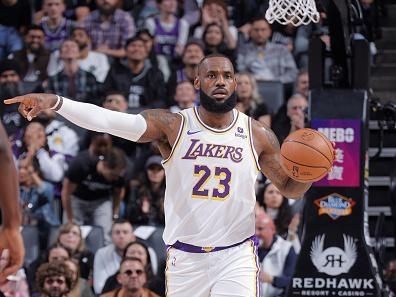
295	12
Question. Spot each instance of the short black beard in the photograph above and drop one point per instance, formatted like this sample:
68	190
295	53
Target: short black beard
11	89
211	105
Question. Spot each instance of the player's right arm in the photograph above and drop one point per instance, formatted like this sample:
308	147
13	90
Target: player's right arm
151	125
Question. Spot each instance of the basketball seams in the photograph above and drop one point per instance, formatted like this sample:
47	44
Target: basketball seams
304	164
326	140
310	146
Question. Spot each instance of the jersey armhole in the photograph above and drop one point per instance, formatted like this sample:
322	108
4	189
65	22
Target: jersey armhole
255	156
178	138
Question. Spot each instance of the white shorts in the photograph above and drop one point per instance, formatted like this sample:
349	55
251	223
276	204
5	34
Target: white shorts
231	272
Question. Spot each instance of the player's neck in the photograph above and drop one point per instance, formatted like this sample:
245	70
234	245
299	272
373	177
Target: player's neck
216	120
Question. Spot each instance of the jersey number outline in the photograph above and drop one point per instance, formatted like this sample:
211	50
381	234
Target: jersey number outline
221	192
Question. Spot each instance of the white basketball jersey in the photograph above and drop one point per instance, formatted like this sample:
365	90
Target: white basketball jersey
210	179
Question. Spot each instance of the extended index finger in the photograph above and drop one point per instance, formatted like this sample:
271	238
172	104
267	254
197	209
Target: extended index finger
18	99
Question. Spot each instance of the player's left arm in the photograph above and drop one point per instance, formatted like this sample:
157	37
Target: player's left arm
268	150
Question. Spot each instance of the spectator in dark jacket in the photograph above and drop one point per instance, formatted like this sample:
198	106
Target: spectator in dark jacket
135	76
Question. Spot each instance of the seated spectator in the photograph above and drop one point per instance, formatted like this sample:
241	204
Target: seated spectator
10	41
56	27
108	258
93	62
215	11
192	55
34	144
72	81
147	205
70	237
264	59
54	280
61	138
293	119
184	97
93	188
139	250
36	197
170	32
157	60
136	77
109	28
277	259
33	58
132	276
53	253
81	287
249	100
11	86
213	38
302	84
277	207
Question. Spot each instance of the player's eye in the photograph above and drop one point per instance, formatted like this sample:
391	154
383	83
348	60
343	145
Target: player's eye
211	76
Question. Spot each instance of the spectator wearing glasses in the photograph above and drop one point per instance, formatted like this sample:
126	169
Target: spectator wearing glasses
132	276
54	279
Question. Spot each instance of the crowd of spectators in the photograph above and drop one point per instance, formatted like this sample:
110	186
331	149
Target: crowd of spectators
128	56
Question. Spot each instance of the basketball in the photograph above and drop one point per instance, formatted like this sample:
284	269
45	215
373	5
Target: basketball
306	155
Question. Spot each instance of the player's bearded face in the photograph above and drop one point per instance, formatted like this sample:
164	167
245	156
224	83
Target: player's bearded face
212	105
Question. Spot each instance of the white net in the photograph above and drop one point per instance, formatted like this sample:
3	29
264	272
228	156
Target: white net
295	12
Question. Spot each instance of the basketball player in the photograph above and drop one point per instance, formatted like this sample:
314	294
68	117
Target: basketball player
212	155
11	244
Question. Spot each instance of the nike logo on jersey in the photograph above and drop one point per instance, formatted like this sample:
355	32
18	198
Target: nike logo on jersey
193	132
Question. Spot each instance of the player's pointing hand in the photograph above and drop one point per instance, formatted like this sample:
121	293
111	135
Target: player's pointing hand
30	105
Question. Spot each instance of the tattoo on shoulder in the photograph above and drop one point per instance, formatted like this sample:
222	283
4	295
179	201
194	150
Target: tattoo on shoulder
161	116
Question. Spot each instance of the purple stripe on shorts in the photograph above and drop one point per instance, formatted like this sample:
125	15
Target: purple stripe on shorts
189	248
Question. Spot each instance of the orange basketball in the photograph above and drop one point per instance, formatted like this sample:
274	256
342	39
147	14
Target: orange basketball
307	155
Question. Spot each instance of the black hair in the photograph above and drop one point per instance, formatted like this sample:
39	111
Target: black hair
115	159
134	38
34	27
215	55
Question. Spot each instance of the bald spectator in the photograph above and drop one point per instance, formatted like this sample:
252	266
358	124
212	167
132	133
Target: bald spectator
293	119
277	258
109	28
184	97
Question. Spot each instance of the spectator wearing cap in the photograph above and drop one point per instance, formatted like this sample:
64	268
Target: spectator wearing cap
11	86
136	77
109	28
10	41
132	276
72	81
170	32
192	55
91	61
33	58
147	205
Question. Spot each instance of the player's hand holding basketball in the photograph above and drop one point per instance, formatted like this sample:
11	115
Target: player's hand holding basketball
11	251
307	155
30	105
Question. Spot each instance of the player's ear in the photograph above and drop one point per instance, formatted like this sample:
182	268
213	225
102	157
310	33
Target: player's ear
197	83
